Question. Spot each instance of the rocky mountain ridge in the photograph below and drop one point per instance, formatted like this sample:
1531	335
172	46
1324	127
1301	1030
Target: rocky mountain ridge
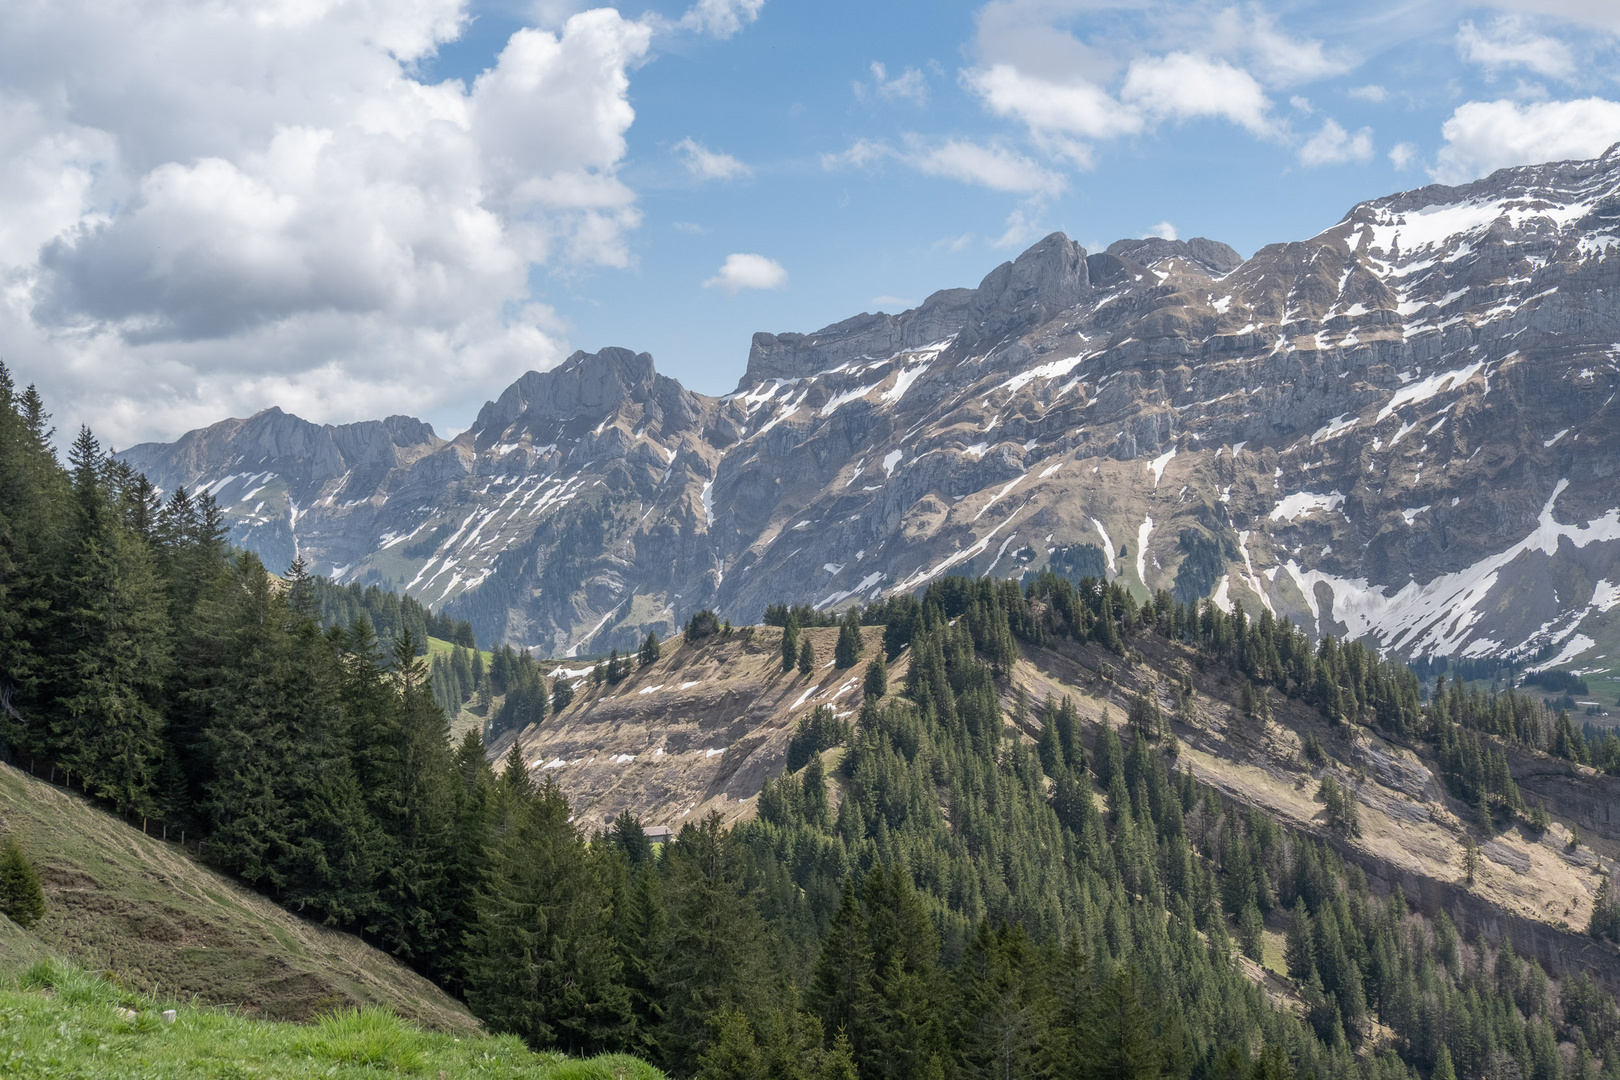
1400	429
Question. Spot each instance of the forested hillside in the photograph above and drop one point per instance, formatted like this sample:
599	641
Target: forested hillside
933	893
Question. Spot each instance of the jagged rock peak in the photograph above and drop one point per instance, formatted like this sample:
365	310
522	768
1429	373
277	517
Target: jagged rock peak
1048	278
793	356
1212	255
585	384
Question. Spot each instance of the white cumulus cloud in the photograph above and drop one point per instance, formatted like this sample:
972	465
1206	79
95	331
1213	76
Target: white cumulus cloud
1332	145
1182	86
1163	230
991	165
1482	136
721	18
1509	42
212	208
743	271
1066	115
1048	106
1252	34
706	164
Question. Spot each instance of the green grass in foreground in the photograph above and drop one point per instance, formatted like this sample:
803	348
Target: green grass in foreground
59	1021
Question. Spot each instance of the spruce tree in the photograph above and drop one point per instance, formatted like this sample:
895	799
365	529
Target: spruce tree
34	504
876	682
1110	754
562	694
1122	1046
850	646
1297	950
420	814
715	954
333	841
807	657
839	1062
790	644
901	1030
1004	1007
111	641
239	670
1443	1069
21	898
650	650
1143	717
732	1053
841	980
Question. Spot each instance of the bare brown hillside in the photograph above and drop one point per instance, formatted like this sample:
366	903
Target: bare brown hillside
701	730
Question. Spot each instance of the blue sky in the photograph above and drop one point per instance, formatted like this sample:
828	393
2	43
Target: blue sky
798	85
351	209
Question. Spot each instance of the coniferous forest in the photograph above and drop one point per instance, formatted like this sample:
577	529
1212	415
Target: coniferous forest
976	904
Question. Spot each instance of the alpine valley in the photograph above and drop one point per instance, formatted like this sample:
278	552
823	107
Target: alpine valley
1131	668
1400	430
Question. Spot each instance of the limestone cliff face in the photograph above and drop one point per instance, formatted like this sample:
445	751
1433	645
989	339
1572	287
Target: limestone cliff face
1402	429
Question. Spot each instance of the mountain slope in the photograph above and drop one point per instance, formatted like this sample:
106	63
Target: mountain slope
703	728
164	924
1401	429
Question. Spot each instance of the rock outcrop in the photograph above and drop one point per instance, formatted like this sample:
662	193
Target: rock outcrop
1402	429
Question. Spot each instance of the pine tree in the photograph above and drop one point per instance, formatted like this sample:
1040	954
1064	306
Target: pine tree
562	694
1252	933
876	682
420	814
1143	717
1443	1069
790	644
715	954
732	1053
541	957
21	898
839	1062
239	671
1122	1045
842	977
112	643
1297	951
850	646
650	650
807	657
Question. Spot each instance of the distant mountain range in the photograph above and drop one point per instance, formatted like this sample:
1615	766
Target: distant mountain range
1402	429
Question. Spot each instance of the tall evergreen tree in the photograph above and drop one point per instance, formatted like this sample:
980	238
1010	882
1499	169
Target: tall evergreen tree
112	642
850	646
542	961
790	644
651	650
419	815
876	682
